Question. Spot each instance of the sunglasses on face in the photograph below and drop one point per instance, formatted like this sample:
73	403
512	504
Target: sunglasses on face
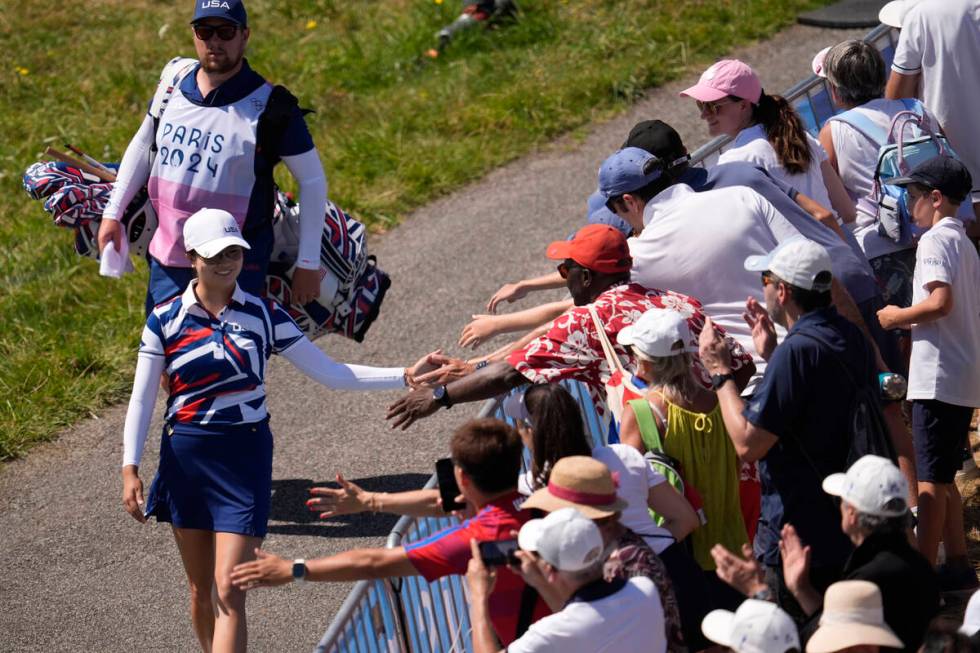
767	279
224	32
564	269
711	108
231	253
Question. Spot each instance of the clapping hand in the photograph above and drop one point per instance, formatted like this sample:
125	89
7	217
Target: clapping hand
713	349
743	574
796	559
763	329
348	499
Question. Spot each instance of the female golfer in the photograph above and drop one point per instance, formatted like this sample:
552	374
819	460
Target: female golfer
215	475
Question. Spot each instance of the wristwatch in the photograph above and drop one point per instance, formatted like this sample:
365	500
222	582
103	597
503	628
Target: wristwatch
299	570
441	396
718	380
763	595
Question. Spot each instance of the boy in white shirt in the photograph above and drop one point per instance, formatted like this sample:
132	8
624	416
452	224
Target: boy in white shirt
944	377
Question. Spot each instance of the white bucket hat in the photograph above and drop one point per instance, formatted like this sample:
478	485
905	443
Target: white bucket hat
209	231
797	261
852	616
873	485
971	618
660	332
756	627
565	539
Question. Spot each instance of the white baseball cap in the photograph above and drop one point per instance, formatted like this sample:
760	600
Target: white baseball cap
209	231
660	332
756	627
852	616
565	539
971	618
797	261
874	485
894	12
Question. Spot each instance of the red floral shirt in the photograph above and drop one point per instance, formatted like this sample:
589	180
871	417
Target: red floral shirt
571	348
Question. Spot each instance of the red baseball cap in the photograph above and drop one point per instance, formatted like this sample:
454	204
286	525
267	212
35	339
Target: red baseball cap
597	247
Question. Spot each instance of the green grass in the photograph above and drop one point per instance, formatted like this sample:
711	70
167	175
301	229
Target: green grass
392	134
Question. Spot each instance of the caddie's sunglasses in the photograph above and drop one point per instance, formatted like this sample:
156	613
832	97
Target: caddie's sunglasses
711	108
224	32
232	253
564	269
767	279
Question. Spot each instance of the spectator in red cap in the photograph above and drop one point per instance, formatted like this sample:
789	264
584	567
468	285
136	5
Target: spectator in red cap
595	264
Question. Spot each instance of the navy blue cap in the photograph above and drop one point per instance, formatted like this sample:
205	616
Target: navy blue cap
230	10
944	173
599	213
628	170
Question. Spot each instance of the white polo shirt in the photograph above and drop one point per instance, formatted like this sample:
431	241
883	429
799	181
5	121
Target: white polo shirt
630	619
752	146
946	352
941	40
697	243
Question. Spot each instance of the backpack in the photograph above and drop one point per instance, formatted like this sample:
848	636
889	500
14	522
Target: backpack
868	431
896	157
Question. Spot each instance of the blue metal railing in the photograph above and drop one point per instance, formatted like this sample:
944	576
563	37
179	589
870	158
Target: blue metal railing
412	615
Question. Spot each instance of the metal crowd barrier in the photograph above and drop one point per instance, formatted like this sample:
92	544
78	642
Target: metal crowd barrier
410	615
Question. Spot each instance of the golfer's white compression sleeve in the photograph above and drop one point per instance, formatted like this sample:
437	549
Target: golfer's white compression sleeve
145	384
308	171
133	172
311	361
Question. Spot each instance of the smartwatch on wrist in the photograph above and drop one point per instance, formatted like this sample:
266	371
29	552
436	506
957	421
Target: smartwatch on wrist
299	570
441	396
718	380
763	595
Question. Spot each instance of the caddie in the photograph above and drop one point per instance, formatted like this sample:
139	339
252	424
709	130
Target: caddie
214	131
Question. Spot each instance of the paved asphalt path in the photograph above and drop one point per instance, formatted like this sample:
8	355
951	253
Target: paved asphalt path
79	574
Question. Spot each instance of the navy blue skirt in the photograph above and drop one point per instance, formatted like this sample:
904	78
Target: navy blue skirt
214	478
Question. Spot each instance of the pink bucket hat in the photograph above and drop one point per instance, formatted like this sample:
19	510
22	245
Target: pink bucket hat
724	78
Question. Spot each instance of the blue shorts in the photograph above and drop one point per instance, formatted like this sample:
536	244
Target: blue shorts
166	282
214	478
939	431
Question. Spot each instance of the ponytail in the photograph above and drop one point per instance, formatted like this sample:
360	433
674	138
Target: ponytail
785	132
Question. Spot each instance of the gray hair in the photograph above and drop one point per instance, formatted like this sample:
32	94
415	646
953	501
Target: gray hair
672	373
587	575
880	525
856	71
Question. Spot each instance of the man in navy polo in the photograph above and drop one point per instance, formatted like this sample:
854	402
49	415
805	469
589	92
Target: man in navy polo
797	422
202	145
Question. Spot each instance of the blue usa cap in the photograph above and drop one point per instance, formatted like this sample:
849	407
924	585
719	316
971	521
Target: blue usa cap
628	170
599	213
230	10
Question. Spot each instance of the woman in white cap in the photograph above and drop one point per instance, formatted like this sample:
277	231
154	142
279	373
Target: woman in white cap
213	483
768	133
681	419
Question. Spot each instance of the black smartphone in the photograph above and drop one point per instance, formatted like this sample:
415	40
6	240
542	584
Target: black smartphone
499	553
448	489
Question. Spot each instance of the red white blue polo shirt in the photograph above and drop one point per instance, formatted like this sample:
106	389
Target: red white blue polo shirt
216	364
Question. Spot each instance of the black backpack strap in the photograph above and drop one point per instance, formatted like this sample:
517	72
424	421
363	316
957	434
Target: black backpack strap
529	599
279	110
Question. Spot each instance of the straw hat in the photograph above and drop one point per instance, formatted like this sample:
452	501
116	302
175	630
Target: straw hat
579	482
852	616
